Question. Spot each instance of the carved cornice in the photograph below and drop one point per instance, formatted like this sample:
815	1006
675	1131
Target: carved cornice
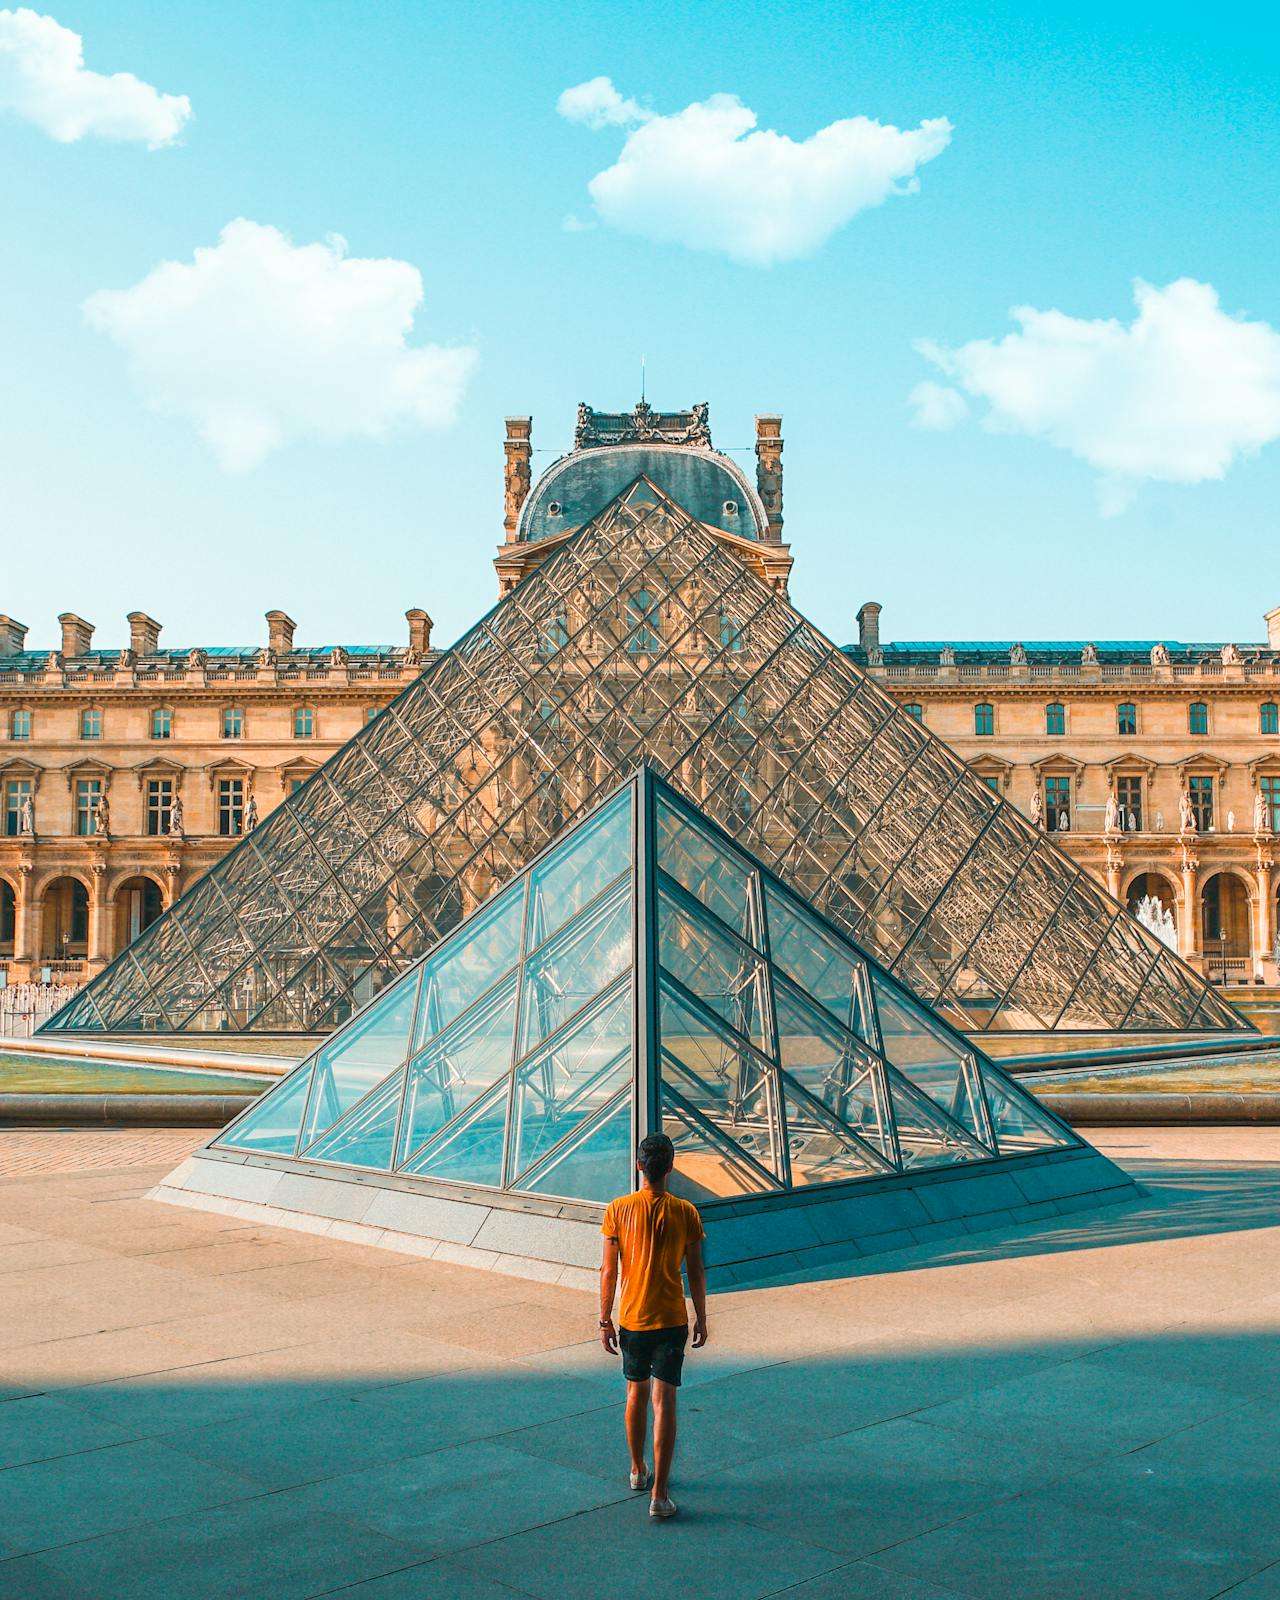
643	425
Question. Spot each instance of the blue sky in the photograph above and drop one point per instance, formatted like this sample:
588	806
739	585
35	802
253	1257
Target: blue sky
1088	150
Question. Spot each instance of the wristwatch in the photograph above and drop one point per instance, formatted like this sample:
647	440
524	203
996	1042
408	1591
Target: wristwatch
606	1322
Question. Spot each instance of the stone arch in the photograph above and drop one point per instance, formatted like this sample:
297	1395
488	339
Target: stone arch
1152	880
8	916
1226	906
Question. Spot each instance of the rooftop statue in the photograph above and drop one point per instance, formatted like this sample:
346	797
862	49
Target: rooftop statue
643	425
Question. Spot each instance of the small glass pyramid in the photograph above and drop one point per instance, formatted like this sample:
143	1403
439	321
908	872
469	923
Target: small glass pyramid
645	972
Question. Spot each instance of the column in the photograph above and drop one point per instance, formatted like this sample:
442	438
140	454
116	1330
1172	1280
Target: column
98	952
1264	932
1189	911
26	933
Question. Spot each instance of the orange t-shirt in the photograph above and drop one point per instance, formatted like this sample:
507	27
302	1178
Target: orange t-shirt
653	1232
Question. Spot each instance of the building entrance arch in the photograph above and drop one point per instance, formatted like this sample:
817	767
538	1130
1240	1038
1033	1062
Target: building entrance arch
64	920
1225	926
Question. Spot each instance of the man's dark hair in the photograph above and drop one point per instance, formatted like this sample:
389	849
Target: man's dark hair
656	1156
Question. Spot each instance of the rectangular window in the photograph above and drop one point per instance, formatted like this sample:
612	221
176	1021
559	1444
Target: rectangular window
1055	718
1269	788
230	807
992	781
370	712
91	723
233	722
984	720
1269	718
913	710
19	724
304	722
1057	805
162	723
730	632
1201	791
159	805
554	635
1197	717
16	790
88	793
1129	799
292	785
1127	718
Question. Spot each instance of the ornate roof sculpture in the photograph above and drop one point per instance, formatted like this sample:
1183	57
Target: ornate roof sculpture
642	425
643	638
514	1056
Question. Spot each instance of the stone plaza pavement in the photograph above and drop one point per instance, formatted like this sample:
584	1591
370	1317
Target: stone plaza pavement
195	1406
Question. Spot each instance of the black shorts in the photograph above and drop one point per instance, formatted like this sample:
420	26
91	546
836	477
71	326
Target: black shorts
653	1353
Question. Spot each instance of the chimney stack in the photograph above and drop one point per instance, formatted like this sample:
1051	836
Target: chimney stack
77	636
13	636
280	626
1272	620
869	626
517	471
144	634
769	472
419	630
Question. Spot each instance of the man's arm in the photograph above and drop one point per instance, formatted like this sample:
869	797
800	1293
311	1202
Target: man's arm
608	1288
697	1291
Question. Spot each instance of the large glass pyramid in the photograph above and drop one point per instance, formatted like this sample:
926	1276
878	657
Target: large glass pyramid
644	638
645	972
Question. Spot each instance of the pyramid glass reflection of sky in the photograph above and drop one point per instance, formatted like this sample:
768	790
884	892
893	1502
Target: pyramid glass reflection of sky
643	638
645	972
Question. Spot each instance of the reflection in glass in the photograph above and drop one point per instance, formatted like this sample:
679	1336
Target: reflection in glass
458	1066
705	869
569	878
359	1057
595	1164
581	961
366	1135
724	974
271	1124
461	970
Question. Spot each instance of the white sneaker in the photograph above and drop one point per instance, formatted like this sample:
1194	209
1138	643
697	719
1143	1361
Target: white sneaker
641	1479
662	1508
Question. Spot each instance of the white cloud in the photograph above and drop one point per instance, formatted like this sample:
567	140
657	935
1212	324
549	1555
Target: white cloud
260	342
1178	395
708	178
599	105
43	79
937	407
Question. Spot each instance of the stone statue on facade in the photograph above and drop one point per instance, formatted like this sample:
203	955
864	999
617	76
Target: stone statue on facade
1186	814
1037	809
1231	822
1064	821
1111	821
1018	655
1261	814
102	815
1231	656
250	814
1159	821
1089	656
175	818
1160	655
27	817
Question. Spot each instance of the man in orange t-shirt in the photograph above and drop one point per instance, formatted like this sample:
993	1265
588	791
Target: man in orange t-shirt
652	1233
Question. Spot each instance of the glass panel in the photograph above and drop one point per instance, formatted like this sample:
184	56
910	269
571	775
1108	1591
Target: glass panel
926	1137
365	1136
595	1165
571	1080
360	1057
582	961
575	874
806	952
705	869
821	1150
927	1059
271	1123
723	1080
704	1169
471	1150
722	973
459	1066
1019	1123
461	970
825	1060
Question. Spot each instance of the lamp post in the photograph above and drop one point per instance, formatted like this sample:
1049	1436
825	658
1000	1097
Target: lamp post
1222	954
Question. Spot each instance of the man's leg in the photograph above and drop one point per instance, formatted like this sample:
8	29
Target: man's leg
637	1422
664	1434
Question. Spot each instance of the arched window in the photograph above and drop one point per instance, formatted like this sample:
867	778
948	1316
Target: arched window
984	720
642	608
1197	717
1127	717
1055	717
8	917
1269	718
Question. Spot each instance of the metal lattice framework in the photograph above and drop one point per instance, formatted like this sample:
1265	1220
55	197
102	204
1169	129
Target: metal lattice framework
643	638
644	973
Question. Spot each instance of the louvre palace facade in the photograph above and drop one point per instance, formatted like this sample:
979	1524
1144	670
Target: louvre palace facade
643	616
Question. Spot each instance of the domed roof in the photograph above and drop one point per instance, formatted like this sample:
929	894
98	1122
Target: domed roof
673	451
